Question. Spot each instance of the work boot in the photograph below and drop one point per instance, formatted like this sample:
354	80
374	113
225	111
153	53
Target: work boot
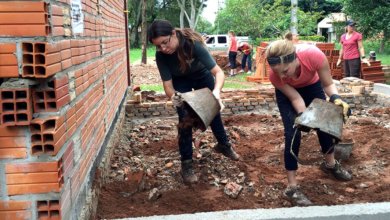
296	197
226	150
337	171
187	172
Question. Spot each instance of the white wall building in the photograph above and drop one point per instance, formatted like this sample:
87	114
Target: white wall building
325	26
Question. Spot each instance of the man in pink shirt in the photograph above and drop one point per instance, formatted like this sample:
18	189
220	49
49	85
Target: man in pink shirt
301	73
351	51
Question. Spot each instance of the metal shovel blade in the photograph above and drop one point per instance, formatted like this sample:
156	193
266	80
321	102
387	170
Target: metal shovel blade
324	116
204	104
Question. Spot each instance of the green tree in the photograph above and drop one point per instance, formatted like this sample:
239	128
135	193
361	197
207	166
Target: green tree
373	18
264	18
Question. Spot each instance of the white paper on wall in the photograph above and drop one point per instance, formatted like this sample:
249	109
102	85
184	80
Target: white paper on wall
77	16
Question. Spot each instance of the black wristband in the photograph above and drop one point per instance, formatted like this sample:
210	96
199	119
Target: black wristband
363	57
334	97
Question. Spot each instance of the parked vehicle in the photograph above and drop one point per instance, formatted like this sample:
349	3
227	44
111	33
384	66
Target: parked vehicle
220	41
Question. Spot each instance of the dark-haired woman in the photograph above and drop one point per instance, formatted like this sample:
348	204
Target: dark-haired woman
185	64
352	51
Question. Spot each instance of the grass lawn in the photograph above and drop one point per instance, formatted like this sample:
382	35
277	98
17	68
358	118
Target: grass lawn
136	54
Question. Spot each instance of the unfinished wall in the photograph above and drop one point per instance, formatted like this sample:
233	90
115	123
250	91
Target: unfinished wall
357	92
59	95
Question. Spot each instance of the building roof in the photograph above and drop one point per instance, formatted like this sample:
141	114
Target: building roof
332	17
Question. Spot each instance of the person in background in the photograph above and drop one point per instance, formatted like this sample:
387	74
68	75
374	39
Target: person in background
301	73
246	49
352	51
232	53
185	64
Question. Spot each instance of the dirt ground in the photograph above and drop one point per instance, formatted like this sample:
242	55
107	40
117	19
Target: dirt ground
145	178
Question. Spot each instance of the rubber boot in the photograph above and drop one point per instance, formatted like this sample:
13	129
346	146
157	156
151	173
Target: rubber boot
227	151
187	172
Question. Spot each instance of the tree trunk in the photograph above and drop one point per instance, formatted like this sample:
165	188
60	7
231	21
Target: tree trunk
182	4
383	41
143	32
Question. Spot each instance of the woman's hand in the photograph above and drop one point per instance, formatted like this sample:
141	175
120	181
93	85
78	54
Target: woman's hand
338	62
365	60
217	95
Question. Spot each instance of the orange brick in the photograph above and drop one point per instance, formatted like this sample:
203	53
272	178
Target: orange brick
12	132
13	153
12	142
33	188
19	18
8	60
14	205
9	72
32	167
7	48
25	178
30	30
23	6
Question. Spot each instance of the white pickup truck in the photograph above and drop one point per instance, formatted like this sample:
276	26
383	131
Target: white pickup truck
220	41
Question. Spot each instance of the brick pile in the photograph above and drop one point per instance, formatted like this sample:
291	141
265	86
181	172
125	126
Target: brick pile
373	73
59	95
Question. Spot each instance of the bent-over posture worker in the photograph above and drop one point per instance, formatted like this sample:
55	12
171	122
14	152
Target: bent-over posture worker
299	74
184	64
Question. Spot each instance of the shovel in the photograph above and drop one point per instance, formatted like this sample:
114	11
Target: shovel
324	116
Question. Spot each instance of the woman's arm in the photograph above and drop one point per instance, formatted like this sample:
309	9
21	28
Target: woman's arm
168	88
219	77
326	79
361	48
294	97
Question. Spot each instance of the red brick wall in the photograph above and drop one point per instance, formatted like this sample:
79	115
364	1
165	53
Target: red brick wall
59	94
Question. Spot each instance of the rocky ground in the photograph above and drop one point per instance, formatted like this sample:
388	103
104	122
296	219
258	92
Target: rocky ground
145	178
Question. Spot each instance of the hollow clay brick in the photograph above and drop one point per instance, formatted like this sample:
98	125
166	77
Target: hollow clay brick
8	60
20	18
12	132
31	30
27	178
6	48
35	188
13	153
23	6
12	142
9	72
33	167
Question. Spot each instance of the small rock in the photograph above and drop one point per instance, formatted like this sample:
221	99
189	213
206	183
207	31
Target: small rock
349	190
362	185
154	194
224	181
232	189
169	165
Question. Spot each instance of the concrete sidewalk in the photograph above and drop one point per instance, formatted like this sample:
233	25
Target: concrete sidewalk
366	211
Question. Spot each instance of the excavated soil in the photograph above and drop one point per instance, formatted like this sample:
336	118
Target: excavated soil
145	178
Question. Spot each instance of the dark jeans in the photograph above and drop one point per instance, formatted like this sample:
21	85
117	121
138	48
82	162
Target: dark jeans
232	59
243	62
289	114
352	68
183	85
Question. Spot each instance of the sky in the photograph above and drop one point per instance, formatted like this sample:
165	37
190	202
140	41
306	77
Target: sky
209	13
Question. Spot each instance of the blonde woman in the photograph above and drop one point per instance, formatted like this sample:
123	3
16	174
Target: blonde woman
300	73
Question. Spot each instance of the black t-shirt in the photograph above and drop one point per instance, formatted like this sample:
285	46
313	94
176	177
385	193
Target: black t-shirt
200	65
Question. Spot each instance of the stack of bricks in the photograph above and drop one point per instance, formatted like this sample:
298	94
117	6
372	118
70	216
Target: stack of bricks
262	67
59	94
374	72
332	56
